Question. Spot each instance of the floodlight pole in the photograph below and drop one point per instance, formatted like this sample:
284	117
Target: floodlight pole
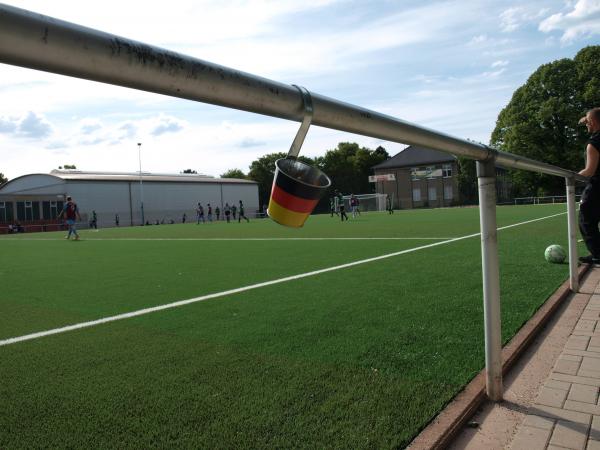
141	184
571	212
486	177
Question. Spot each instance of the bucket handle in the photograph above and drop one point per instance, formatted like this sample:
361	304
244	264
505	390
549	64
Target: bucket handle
308	114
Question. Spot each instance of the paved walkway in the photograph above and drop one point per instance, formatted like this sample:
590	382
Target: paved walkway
551	397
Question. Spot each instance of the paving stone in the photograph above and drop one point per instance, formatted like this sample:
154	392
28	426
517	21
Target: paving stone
595	429
567	367
554	384
592	348
530	438
595	341
591	364
585	325
570	435
551	397
577	342
532	420
590	314
593	445
575	379
583	393
585	353
582	407
560	414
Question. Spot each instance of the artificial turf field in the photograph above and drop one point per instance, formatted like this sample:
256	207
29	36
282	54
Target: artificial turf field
358	357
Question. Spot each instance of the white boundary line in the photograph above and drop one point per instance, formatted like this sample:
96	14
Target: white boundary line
249	239
179	303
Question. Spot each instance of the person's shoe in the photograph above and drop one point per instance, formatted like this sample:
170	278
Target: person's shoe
76	238
589	259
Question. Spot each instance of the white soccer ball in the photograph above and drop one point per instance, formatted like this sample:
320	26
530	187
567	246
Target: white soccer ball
555	254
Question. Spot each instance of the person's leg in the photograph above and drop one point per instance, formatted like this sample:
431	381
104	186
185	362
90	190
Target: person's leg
589	217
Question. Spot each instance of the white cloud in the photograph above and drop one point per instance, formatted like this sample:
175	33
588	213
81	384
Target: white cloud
30	125
500	63
515	17
167	125
582	21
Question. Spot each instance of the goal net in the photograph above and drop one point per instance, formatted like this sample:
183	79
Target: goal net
366	202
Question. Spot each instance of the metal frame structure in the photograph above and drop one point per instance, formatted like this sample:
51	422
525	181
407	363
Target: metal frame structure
34	41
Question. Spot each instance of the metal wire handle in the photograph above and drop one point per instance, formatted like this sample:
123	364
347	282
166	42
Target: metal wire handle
308	114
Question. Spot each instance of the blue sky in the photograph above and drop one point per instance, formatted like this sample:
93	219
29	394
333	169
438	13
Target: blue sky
447	65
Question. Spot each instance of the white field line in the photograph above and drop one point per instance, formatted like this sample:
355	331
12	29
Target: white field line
251	239
179	303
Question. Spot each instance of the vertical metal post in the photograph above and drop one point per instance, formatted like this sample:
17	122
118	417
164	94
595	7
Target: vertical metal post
571	207
141	185
486	177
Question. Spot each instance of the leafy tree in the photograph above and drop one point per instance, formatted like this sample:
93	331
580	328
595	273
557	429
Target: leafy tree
262	171
68	167
234	173
540	121
3	179
349	166
189	171
467	180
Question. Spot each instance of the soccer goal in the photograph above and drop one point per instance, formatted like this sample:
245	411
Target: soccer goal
366	202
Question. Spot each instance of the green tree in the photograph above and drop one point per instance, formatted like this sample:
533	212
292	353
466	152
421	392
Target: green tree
3	179
189	171
540	121
467	181
262	171
234	173
349	166
68	167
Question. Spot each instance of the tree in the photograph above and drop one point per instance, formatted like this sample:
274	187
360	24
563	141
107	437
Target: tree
540	121
262	171
68	167
234	173
3	179
189	171
349	166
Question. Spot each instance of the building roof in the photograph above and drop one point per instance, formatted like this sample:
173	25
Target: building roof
413	156
80	175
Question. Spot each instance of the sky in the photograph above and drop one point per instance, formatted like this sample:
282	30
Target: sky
447	65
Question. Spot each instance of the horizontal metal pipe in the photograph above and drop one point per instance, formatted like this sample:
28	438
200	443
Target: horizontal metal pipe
40	42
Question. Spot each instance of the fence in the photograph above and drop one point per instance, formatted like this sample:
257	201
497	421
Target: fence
35	41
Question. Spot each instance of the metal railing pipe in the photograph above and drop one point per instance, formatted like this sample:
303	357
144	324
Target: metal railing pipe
486	178
40	42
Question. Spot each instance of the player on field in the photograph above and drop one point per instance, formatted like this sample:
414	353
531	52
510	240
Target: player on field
241	213
200	214
71	214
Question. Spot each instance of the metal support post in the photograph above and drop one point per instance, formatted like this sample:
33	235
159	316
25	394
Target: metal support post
571	209
486	176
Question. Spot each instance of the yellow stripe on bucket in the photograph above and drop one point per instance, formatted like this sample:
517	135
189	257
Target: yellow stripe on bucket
284	216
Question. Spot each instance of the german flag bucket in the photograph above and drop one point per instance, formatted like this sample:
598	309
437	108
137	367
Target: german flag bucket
297	188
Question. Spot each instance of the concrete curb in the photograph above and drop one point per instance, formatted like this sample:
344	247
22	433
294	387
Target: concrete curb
446	425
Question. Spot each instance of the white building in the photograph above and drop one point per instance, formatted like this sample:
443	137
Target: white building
36	198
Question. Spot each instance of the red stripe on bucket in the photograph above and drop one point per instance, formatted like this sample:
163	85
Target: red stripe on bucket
292	202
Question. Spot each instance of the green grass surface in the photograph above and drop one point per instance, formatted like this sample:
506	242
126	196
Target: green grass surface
361	357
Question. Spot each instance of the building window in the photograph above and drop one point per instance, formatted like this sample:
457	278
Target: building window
432	193
413	173
447	170
416	194
6	212
448	192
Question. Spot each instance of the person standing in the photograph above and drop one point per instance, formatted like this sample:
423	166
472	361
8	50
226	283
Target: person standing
388	204
227	210
233	211
589	206
241	213
209	215
117	220
200	214
341	206
94	221
70	212
332	206
183	219
218	213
